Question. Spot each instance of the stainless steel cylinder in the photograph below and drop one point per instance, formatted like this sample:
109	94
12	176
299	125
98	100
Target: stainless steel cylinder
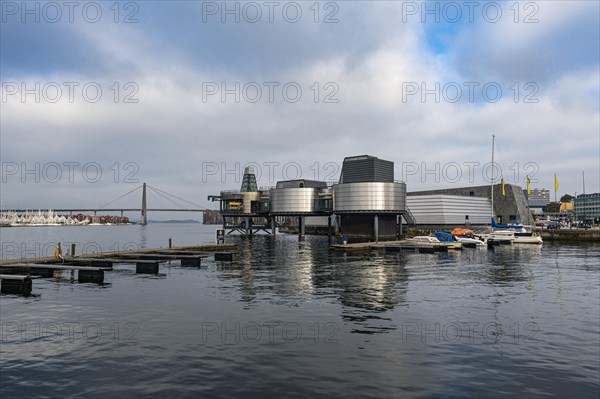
369	197
293	200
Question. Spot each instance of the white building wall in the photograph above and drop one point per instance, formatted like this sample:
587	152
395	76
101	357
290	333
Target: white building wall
449	209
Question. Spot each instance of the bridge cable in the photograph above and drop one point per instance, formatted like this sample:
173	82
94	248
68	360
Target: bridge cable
179	198
168	199
155	198
116	199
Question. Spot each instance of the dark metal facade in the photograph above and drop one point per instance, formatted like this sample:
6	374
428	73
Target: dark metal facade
366	168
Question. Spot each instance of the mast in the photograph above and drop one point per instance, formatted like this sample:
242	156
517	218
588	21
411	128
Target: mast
493	168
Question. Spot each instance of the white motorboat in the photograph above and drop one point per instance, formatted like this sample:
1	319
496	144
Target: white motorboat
524	237
499	237
425	239
471	242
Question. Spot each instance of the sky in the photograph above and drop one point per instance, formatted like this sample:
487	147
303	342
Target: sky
98	97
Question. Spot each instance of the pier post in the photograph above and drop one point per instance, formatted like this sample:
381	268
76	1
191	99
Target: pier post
72	250
273	226
376	227
170	243
301	226
144	217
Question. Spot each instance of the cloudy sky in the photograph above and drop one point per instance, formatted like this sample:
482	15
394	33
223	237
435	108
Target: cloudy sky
99	97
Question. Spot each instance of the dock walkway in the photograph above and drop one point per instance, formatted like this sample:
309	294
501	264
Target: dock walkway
398	246
16	274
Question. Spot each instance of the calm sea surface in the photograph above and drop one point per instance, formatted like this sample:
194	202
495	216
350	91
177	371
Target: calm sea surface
289	318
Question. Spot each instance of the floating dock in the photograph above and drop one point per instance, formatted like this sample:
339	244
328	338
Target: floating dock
398	246
16	275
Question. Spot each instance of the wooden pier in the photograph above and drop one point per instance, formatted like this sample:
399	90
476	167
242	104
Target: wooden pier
16	277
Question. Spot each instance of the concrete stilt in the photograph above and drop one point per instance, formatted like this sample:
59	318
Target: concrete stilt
376	227
301	226
400	222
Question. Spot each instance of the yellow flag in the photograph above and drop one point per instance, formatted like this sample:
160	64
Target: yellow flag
555	183
528	186
503	191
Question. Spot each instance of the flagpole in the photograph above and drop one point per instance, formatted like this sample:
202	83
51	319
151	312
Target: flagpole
555	188
528	183
493	168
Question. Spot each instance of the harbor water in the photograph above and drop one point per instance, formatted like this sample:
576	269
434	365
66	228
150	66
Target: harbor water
290	318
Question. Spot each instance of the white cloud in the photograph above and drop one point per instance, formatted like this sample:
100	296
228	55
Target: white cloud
171	132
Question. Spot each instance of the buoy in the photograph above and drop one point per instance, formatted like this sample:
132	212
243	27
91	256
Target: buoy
58	252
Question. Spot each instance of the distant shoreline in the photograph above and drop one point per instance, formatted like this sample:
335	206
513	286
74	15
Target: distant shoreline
189	221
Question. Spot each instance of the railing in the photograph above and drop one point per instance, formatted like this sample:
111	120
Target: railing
231	192
408	216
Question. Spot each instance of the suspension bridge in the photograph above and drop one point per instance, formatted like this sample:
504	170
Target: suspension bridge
181	205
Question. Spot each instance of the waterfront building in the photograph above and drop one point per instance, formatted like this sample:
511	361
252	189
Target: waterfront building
509	207
539	194
587	207
449	210
537	207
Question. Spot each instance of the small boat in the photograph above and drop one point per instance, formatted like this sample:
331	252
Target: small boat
528	238
521	235
424	239
449	239
499	237
430	244
468	238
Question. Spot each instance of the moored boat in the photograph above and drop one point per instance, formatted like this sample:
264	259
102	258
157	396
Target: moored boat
468	238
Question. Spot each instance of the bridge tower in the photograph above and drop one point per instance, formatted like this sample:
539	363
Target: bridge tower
144	218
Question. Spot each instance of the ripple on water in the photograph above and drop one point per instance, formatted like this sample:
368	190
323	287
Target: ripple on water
292	319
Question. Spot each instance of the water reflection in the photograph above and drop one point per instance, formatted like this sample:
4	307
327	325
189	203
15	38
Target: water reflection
394	319
368	291
143	241
289	271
